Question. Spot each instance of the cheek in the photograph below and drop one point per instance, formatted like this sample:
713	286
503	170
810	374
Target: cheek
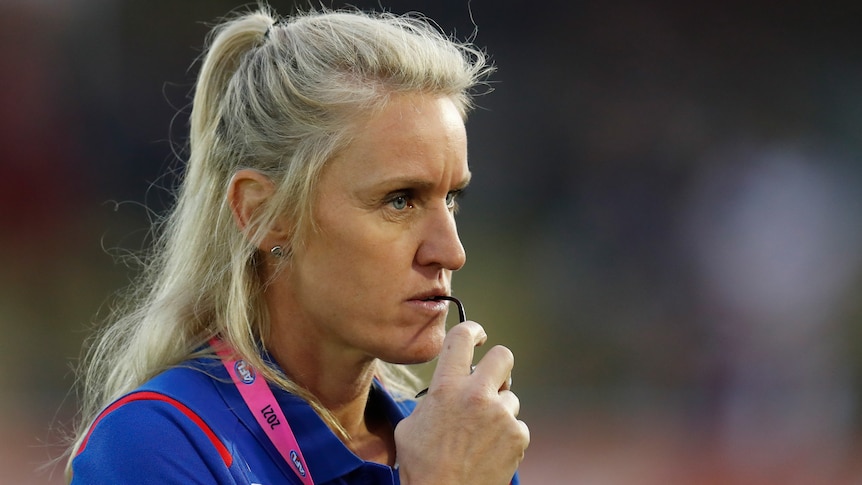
373	252
359	255
356	263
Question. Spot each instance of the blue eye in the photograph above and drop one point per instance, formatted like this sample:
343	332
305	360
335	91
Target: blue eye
399	202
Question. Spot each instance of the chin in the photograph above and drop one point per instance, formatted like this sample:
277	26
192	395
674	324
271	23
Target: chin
420	351
415	359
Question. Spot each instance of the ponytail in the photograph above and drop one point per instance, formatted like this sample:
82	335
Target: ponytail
280	97
229	42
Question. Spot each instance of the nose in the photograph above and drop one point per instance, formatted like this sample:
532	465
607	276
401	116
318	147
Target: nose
440	244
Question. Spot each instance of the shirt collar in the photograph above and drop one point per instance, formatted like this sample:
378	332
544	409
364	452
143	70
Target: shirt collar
326	455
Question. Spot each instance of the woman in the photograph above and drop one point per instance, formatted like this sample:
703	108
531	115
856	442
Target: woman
313	233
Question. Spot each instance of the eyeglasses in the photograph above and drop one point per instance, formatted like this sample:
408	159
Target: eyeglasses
462	317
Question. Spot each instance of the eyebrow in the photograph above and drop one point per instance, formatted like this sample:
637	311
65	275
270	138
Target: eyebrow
422	183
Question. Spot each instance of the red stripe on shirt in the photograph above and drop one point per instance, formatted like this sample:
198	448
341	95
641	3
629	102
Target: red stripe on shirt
155	396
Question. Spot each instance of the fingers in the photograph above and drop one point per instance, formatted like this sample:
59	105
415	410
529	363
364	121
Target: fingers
467	427
524	434
496	368
458	346
510	402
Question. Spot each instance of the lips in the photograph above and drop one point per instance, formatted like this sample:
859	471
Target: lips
430	295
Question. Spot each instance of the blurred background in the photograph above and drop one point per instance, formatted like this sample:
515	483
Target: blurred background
665	223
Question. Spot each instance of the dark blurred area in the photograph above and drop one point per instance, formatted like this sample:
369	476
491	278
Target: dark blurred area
665	223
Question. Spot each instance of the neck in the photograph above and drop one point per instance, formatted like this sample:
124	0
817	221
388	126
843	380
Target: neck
341	382
338	376
344	391
341	385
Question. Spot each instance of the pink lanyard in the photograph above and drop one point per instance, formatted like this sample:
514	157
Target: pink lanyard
260	401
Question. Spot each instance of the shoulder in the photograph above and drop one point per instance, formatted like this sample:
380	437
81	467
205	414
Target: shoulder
156	429
146	431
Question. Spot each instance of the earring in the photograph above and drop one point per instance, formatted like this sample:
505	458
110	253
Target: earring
277	251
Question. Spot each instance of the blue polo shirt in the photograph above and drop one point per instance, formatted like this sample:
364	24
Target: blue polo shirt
190	425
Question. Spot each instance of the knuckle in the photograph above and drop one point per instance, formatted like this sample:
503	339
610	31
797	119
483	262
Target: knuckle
476	399
459	331
443	389
516	401
525	434
503	353
469	329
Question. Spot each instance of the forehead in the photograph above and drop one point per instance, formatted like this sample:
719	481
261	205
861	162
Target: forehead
414	115
411	132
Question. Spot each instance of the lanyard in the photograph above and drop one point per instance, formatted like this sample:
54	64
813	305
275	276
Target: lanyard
260	401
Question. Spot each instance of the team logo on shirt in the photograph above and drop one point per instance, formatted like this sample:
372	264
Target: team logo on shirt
298	464
244	371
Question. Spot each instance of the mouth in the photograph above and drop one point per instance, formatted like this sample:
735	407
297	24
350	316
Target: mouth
462	315
440	295
431	295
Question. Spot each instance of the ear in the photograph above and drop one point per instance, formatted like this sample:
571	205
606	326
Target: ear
247	192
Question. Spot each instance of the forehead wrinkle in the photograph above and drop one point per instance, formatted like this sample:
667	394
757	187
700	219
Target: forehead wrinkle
421	183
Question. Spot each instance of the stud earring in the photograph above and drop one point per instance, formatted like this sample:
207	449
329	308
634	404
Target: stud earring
277	251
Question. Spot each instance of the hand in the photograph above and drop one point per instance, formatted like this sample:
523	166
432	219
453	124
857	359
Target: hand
465	430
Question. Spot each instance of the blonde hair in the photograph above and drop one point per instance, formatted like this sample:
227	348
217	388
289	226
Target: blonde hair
278	96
